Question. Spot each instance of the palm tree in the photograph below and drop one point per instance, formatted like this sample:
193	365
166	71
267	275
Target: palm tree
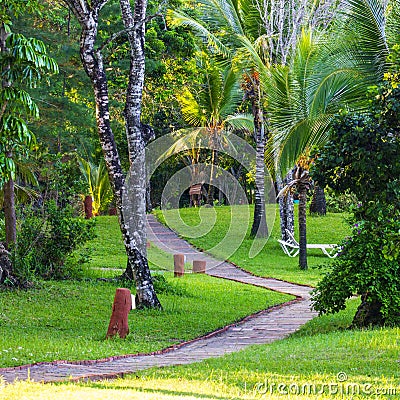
98	183
256	36
302	182
211	110
240	23
211	113
306	95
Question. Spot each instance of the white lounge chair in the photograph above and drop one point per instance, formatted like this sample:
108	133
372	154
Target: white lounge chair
292	248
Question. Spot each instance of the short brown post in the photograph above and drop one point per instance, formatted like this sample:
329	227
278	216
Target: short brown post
119	317
199	266
179	265
88	203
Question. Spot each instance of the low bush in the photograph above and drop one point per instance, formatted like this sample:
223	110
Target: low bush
46	240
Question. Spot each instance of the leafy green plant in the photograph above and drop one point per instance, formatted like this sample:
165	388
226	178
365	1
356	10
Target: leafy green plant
46	241
369	265
97	184
363	157
339	202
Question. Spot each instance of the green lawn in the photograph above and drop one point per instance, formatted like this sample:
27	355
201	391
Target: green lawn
322	356
69	319
107	251
206	228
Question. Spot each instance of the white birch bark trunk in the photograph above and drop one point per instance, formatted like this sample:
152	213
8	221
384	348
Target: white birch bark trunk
135	208
87	16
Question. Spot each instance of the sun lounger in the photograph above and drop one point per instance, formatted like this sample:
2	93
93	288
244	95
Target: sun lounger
291	247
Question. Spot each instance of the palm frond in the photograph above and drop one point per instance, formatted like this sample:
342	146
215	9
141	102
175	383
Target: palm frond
194	113
242	122
366	38
175	18
231	94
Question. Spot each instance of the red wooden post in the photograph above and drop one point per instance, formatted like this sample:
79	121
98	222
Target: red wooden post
88	207
199	266
119	317
179	265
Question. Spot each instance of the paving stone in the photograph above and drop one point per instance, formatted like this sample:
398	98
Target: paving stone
264	327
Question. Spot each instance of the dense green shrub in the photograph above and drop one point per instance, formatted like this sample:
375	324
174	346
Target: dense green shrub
339	202
46	240
162	285
362	156
369	265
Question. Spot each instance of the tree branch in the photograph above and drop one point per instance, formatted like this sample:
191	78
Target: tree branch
127	30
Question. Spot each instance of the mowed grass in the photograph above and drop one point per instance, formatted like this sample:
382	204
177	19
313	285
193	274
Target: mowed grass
225	232
107	250
68	320
323	360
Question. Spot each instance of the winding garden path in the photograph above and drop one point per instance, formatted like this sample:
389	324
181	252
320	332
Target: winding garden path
263	327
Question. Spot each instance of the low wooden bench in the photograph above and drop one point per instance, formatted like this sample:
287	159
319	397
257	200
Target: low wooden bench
292	247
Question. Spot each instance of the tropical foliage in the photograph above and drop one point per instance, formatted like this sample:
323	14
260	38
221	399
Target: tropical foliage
97	184
23	65
212	113
369	262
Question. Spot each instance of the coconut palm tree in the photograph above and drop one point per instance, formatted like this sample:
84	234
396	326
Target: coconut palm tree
232	28
212	109
211	114
256	36
305	95
302	183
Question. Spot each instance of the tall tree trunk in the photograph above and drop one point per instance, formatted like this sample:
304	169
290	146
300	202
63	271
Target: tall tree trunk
211	187
259	228
9	213
8	187
286	207
318	202
368	313
302	226
93	64
136	218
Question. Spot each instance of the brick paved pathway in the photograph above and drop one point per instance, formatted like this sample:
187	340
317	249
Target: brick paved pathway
263	327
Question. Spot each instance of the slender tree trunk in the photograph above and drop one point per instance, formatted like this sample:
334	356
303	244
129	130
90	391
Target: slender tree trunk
8	188
136	218
93	64
303	227
259	228
9	213
318	202
211	188
286	207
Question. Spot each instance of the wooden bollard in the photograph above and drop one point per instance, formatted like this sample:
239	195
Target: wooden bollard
88	204
179	265
119	317
199	266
